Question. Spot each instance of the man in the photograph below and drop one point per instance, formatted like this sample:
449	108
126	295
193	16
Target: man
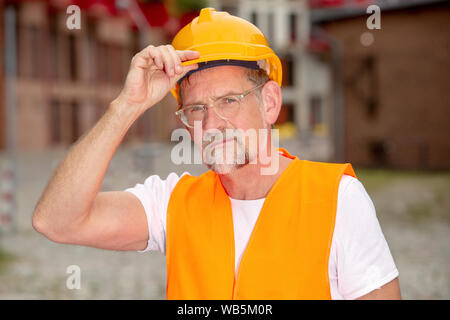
307	230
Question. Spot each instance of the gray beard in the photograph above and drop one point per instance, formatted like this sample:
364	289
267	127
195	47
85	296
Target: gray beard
228	167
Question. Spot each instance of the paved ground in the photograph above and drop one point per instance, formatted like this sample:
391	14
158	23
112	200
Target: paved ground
413	209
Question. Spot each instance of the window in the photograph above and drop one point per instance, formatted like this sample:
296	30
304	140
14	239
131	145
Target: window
55	122
254	18
92	47
285	123
288	67
74	111
363	82
53	51
73	65
286	113
64	122
316	111
293	26
316	116
29	47
36	44
116	63
378	152
101	63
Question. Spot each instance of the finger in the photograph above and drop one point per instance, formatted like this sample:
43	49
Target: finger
188	68
187	54
185	69
138	60
169	64
146	57
176	60
155	54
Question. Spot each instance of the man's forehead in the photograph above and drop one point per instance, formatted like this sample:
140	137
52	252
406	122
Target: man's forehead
215	81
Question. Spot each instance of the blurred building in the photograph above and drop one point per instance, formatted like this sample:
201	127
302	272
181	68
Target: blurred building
2	80
396	82
67	78
370	97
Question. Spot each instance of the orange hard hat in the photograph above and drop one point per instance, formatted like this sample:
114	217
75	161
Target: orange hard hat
221	36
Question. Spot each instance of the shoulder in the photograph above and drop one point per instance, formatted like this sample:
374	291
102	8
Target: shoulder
350	186
355	209
329	171
353	195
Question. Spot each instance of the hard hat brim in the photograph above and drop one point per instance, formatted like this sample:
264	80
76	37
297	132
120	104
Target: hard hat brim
275	73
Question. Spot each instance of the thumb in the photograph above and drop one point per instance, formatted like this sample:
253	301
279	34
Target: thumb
185	70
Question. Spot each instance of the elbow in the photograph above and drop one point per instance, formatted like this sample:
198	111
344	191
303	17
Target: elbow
42	226
37	221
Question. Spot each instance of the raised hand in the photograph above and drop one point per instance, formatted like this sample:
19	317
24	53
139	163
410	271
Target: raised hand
153	72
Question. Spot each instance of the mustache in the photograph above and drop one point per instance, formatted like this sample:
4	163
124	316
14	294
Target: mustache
214	136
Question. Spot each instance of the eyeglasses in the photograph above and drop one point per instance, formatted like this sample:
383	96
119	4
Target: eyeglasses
225	107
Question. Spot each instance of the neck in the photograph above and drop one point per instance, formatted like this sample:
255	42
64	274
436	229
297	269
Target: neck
247	182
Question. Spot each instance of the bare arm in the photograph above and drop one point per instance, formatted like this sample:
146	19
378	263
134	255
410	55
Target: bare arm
390	291
71	209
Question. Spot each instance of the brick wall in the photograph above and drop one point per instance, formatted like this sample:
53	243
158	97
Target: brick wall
397	90
67	78
2	75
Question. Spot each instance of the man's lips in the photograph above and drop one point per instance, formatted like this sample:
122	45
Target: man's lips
216	143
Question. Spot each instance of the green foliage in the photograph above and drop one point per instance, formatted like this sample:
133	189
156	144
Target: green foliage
190	5
374	179
414	196
5	258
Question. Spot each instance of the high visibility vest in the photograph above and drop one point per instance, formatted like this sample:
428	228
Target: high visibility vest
288	251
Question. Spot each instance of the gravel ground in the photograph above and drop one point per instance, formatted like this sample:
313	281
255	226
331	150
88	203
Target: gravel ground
413	209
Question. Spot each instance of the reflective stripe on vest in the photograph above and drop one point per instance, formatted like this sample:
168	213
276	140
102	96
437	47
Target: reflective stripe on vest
288	251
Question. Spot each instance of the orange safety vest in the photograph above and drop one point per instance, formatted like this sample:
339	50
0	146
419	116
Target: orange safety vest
288	251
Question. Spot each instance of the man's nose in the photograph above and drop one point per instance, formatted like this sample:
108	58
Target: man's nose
212	120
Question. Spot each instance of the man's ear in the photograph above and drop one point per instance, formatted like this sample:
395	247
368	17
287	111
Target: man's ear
272	100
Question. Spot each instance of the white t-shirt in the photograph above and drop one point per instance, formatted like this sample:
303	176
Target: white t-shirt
360	260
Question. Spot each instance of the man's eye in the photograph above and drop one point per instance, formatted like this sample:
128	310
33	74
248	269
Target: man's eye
196	109
229	100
